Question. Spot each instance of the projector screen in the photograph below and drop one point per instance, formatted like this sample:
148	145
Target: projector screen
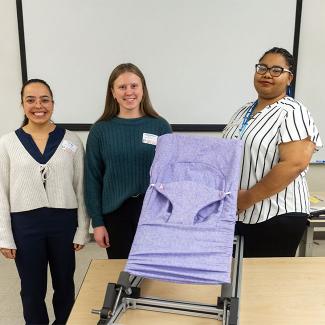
197	56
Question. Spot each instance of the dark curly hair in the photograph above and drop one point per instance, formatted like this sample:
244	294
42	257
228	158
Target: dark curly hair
286	55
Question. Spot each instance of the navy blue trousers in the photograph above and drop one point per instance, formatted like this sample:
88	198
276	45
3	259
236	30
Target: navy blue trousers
45	237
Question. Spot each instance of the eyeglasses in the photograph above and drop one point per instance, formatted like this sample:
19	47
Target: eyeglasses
275	71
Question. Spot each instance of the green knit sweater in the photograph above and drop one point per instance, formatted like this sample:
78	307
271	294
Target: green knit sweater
118	162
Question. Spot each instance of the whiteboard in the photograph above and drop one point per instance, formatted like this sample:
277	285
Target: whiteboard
197	56
310	84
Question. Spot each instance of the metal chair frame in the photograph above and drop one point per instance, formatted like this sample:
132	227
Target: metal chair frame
125	294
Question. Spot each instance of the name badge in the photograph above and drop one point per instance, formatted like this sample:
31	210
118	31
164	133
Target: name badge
69	146
149	138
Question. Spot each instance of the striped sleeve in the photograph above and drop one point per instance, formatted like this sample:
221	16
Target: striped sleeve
298	124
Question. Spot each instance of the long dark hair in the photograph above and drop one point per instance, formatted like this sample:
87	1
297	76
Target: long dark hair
28	82
111	106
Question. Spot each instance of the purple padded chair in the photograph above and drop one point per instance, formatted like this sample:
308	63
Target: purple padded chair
186	228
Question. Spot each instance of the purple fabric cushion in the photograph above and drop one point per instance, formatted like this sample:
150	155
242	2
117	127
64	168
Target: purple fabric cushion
186	228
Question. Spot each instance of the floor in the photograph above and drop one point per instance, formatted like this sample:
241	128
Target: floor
10	304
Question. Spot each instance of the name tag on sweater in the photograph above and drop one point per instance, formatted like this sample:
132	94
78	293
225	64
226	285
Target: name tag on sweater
149	138
69	146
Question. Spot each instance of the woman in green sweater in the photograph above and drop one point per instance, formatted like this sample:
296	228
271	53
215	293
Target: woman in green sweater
119	153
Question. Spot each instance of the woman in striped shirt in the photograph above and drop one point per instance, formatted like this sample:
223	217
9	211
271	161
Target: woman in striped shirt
279	137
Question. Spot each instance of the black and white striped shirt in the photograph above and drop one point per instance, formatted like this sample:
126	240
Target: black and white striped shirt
284	121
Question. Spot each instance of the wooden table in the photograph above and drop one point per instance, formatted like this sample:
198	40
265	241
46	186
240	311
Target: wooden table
275	291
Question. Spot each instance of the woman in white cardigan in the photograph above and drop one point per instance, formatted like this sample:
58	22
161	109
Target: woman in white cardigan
43	219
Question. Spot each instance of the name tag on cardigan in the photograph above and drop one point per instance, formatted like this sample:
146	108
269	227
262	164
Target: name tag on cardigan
69	146
149	138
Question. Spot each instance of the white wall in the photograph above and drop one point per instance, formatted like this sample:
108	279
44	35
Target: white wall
10	83
10	73
311	67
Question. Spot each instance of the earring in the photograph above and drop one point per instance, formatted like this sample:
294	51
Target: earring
289	91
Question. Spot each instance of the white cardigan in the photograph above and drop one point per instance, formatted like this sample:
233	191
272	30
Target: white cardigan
22	189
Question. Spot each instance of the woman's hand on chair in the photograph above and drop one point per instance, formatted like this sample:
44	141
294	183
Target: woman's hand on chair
244	200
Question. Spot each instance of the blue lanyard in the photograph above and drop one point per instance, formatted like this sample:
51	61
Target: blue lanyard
247	117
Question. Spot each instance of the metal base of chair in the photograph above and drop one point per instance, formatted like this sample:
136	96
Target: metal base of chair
125	294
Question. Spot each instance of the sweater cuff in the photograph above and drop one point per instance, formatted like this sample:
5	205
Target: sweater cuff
81	237
7	240
97	221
